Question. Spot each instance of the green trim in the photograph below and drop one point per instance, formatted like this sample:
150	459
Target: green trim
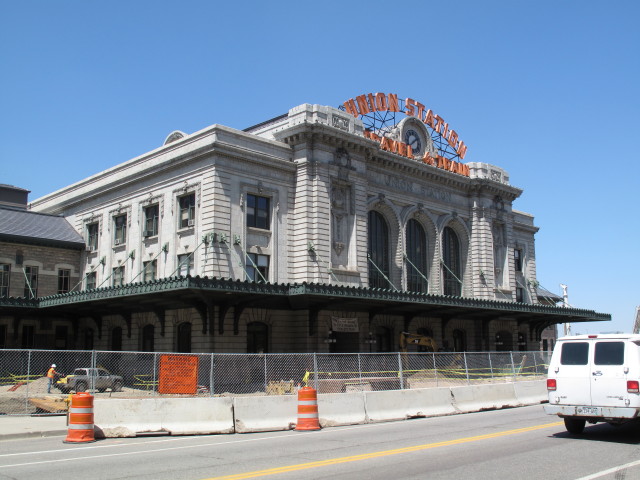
19	302
372	297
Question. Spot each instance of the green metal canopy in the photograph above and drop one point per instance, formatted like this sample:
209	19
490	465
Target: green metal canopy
205	294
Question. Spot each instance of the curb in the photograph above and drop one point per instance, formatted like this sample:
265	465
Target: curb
40	434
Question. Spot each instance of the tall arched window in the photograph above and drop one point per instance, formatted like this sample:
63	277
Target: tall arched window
148	336
184	338
88	339
257	337
425	332
378	251
384	339
504	341
522	342
459	341
416	257
451	268
116	339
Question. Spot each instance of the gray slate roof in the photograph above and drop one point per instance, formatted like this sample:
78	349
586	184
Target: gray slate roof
19	225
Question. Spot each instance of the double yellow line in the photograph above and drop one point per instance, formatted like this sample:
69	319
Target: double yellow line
383	453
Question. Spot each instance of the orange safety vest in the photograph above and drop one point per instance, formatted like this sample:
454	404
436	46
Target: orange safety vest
51	372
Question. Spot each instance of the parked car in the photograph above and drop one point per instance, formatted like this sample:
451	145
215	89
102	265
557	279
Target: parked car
84	378
595	378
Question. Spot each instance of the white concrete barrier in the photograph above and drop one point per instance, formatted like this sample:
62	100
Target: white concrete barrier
341	409
176	416
190	416
531	392
403	404
265	413
473	398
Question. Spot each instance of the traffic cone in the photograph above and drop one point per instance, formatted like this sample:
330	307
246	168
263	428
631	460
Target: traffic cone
80	419
307	409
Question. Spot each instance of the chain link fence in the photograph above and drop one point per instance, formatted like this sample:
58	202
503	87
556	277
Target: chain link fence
25	388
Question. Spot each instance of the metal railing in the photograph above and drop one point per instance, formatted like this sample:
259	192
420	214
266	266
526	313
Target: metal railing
24	385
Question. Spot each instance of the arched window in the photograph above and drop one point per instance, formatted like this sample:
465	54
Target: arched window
184	338
425	332
148	337
88	339
451	268
504	341
384	339
378	251
459	340
116	339
522	342
257	337
416	257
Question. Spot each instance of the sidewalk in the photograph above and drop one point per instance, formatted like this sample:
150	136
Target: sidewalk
17	426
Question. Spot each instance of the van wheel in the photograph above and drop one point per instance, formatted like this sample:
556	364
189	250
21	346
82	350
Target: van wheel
574	425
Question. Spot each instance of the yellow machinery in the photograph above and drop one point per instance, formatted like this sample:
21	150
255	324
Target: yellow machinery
414	339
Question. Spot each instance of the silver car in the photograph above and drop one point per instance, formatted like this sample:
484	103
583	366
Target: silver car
84	378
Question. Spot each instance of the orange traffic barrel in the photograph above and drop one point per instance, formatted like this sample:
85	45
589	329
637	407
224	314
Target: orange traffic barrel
80	419
307	409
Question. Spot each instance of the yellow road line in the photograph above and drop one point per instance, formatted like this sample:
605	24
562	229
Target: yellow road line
383	453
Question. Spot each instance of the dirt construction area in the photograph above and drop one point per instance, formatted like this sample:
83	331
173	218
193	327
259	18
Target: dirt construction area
32	398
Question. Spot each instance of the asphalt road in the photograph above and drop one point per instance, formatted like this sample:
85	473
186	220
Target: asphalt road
506	444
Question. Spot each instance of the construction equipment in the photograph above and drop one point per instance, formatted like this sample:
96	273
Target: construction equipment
428	343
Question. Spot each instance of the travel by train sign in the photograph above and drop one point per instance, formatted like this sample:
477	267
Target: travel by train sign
378	113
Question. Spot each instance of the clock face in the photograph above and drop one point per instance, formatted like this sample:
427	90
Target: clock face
412	138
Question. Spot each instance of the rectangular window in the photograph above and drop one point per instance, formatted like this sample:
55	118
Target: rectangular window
258	212
92	237
151	215
3	336
31	282
519	294
185	265
609	353
64	280
118	276
517	259
187	212
119	230
574	353
258	267
91	281
150	270
5	272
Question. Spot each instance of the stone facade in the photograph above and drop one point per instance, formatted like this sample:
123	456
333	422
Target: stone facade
319	178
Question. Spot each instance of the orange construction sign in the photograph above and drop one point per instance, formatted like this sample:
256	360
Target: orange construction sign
178	374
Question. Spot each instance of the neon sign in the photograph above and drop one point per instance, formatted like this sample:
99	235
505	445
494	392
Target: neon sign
364	105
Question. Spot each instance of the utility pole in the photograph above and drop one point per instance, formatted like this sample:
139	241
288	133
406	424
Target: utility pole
565	304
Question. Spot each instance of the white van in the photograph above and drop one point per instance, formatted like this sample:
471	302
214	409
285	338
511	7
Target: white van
594	378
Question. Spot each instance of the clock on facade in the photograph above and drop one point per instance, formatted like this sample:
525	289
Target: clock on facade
412	138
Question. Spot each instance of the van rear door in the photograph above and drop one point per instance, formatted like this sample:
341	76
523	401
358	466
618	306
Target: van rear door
573	373
608	377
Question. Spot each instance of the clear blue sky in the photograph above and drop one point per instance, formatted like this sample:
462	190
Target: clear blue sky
547	90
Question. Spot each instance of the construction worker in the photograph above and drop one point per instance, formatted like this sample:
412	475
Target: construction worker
51	375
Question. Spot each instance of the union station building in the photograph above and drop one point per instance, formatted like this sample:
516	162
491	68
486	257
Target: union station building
322	230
